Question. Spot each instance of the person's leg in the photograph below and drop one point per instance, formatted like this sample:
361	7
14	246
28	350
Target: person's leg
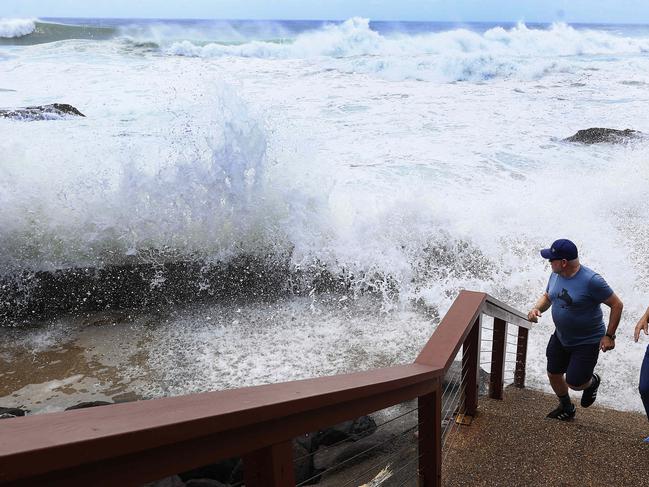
644	382
558	359
558	384
580	375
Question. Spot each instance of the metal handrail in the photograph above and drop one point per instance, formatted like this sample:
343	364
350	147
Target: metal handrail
135	442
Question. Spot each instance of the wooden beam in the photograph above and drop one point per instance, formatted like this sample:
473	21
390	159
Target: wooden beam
498	350
269	467
521	358
430	439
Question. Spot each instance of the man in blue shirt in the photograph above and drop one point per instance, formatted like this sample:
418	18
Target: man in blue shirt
575	293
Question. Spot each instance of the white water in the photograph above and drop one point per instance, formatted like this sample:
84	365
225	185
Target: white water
16	27
354	150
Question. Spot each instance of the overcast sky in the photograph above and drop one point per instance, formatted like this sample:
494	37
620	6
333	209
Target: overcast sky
608	11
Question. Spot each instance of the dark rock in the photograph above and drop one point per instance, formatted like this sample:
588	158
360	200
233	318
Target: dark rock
173	481
41	112
454	375
36	295
221	471
12	412
231	471
347	431
598	135
205	483
349	454
339	462
89	404
303	465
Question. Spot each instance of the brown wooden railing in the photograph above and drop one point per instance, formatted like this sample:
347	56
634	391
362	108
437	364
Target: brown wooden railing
132	443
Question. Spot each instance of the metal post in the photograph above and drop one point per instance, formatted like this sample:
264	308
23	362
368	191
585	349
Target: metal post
521	357
470	367
430	438
498	351
270	467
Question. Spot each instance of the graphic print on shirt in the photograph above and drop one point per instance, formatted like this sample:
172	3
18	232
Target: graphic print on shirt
565	297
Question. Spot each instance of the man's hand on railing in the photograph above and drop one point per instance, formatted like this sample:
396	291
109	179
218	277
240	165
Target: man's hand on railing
534	315
542	304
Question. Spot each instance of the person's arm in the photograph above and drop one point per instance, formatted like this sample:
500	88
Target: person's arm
613	302
643	325
541	305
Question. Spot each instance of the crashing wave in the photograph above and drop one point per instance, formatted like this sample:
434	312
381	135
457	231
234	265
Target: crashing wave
354	37
10	28
32	32
455	55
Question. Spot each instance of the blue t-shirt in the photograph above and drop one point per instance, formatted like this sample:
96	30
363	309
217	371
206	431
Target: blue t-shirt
576	309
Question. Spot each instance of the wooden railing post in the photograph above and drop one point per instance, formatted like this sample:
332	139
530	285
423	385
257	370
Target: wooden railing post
270	467
470	367
498	350
430	438
521	357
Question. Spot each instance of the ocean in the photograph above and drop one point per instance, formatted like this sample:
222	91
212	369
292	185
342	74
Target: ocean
352	176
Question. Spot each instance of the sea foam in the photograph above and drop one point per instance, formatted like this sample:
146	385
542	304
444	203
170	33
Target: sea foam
16	27
455	55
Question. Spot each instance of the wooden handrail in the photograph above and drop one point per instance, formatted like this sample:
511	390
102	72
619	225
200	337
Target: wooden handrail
135	442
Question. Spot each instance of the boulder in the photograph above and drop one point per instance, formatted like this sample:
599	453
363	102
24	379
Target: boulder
599	135
303	465
42	112
454	374
352	430
12	412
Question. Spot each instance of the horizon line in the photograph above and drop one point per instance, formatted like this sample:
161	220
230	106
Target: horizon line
575	22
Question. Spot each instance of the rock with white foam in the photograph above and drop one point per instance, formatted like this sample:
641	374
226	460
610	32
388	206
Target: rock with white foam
598	135
55	111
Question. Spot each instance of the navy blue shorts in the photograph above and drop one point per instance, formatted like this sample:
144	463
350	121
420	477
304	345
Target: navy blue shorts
576	362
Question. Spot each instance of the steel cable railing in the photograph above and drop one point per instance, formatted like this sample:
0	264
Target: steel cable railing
360	454
402	468
382	462
326	448
374	447
451	403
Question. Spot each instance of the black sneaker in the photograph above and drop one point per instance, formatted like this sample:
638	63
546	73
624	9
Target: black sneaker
590	393
563	414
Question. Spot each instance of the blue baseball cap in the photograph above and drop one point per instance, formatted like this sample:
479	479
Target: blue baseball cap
560	249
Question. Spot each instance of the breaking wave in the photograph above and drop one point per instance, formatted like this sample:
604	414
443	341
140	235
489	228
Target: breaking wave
26	32
10	28
459	54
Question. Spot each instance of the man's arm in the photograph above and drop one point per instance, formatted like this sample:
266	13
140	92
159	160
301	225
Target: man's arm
643	324
613	302
543	304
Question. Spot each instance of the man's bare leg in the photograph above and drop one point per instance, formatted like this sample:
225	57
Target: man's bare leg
558	384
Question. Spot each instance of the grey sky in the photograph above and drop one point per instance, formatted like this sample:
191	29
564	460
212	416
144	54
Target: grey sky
620	11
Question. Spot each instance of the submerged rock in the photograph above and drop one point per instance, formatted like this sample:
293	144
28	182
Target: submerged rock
597	135
54	111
